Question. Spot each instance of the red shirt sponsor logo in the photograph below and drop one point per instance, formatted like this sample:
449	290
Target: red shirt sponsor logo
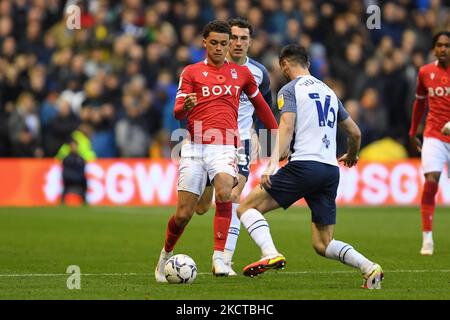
433	83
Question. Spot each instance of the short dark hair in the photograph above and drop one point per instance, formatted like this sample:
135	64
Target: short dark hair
241	23
440	33
216	26
295	53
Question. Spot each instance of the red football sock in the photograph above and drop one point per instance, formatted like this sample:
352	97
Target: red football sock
222	222
173	233
427	204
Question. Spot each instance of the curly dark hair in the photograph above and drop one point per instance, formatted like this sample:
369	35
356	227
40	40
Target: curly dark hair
440	33
216	26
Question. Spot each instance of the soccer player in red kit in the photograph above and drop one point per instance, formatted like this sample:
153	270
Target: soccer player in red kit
433	85
208	95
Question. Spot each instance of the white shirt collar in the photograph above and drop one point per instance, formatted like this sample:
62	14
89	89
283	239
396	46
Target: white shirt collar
206	61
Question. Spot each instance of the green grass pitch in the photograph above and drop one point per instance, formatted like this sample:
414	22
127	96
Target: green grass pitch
117	248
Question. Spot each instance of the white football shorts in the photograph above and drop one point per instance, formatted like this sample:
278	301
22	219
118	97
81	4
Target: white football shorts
199	161
435	154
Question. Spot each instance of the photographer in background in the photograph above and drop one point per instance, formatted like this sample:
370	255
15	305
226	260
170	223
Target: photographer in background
73	173
74	156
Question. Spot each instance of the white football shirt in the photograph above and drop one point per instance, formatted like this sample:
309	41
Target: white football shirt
246	109
318	112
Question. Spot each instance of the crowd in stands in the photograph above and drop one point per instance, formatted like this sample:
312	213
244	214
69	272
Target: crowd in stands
119	71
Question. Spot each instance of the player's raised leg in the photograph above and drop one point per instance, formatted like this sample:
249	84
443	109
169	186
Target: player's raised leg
191	183
175	227
250	212
326	246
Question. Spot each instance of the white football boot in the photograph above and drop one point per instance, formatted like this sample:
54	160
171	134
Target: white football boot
219	268
427	248
373	278
159	270
427	243
231	272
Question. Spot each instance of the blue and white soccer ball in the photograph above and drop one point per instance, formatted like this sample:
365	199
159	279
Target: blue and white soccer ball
180	268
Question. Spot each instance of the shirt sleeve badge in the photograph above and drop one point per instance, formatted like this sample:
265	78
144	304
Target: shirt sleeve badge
280	102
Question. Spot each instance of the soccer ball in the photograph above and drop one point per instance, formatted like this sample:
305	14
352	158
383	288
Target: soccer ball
180	268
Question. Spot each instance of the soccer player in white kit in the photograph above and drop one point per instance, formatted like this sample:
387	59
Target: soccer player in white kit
310	111
240	41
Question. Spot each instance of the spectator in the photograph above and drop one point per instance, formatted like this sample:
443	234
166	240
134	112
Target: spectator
132	134
370	78
24	128
73	173
350	66
64	37
373	115
395	91
36	83
4	134
61	127
6	28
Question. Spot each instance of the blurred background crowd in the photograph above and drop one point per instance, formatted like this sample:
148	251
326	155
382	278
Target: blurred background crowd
119	71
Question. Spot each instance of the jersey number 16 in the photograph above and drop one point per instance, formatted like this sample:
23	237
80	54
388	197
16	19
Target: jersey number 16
322	112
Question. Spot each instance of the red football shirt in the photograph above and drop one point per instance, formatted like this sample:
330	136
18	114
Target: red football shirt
218	90
434	83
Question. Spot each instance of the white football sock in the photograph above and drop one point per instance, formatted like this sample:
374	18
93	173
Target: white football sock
233	234
427	236
345	253
166	255
258	229
217	255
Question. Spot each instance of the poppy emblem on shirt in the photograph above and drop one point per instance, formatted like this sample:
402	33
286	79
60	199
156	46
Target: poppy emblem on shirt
233	73
444	80
221	78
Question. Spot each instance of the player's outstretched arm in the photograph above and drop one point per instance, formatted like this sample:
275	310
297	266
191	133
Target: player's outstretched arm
446	129
353	144
264	112
417	114
282	145
419	108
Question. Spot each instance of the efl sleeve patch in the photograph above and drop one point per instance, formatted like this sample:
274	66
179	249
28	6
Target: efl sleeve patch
280	101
